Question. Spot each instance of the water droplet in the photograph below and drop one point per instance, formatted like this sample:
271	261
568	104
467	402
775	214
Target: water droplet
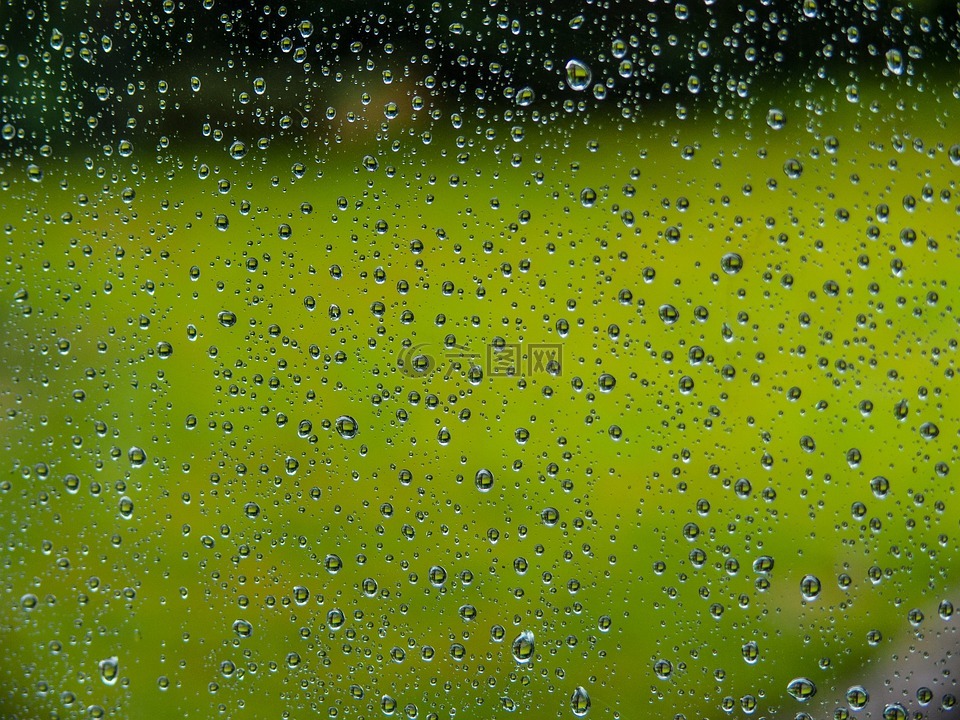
126	508
525	96
579	75
857	697
731	263
810	587
776	119
801	689
29	601
669	314
945	610
606	382
793	168
663	669
237	150
109	670
136	456
550	516
347	427
894	711
336	619
243	628
523	647
763	564
894	58
580	701
437	576
34	173
227	318
484	480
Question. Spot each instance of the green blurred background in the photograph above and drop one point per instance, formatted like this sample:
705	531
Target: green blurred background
172	470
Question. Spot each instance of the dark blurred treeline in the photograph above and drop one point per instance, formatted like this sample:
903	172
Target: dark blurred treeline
83	72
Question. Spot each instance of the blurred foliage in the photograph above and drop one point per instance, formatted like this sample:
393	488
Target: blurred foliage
260	266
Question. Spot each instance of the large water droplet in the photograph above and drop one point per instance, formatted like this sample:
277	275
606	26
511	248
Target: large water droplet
523	647
580	701
801	689
137	456
347	427
579	75
109	670
810	587
776	118
484	480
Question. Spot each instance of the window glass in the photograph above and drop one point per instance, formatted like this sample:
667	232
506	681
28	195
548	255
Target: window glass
453	359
